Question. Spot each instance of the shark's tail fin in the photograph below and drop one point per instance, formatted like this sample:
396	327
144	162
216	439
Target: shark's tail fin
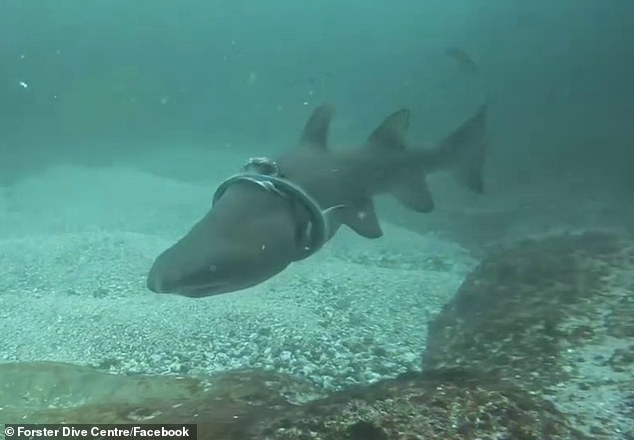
463	152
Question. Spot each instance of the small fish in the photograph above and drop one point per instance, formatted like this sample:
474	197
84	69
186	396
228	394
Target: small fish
462	59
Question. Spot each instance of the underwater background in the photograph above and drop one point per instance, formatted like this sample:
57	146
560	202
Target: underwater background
506	315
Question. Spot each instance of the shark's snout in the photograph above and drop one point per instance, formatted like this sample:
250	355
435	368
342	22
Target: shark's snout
158	280
170	274
185	271
155	284
250	235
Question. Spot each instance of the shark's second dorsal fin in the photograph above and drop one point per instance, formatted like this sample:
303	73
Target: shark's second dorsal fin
315	133
391	133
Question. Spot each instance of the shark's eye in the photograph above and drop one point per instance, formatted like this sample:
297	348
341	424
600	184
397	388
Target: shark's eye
213	268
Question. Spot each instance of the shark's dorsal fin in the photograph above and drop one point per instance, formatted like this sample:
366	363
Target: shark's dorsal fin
391	133
361	218
315	133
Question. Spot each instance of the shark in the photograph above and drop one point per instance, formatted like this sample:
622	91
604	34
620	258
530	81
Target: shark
279	210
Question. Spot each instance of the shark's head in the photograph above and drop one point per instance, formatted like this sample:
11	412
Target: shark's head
250	235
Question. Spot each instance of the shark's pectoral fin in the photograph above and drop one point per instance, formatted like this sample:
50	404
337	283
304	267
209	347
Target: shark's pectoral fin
391	133
361	218
315	133
414	194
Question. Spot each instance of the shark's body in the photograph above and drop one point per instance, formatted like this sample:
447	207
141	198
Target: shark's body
257	227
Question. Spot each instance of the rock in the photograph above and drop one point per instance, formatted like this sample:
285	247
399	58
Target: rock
436	405
244	405
555	316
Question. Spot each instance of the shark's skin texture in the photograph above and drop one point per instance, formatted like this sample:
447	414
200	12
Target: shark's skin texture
251	234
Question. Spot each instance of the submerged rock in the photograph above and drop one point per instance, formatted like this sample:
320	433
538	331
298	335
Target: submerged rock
555	316
246	405
438	405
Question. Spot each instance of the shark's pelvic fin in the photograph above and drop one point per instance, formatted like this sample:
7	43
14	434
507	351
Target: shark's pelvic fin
361	218
391	133
315	133
414	194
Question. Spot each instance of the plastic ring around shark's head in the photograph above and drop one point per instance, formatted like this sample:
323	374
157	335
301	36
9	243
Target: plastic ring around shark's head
258	179
319	226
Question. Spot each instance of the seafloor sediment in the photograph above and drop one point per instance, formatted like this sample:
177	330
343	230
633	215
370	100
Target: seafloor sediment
536	343
516	354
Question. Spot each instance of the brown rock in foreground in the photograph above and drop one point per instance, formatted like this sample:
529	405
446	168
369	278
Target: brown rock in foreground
441	405
556	317
248	405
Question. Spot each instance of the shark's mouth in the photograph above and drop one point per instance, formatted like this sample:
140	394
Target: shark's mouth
265	173
204	289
